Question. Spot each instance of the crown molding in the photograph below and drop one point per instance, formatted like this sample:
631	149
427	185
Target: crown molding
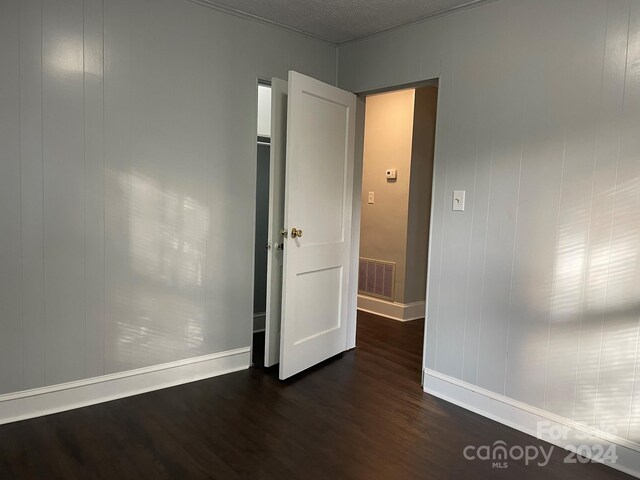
265	21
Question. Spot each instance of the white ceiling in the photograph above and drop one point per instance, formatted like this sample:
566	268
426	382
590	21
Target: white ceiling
341	20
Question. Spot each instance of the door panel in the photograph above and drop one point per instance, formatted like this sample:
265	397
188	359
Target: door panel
322	313
318	201
321	177
276	220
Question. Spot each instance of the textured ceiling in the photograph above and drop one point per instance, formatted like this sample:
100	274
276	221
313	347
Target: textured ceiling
340	20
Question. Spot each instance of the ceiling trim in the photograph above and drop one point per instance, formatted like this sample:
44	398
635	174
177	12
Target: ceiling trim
265	21
442	13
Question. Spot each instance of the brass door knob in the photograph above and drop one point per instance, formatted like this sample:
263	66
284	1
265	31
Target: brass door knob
295	233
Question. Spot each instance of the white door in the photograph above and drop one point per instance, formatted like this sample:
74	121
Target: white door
318	209
276	220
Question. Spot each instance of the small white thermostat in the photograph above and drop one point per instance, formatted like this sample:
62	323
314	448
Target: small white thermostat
391	173
458	200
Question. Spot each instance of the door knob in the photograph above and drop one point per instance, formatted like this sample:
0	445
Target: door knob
295	233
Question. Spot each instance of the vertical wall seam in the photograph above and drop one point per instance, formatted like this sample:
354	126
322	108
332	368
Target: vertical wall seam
44	263
130	156
613	214
205	279
484	258
22	329
515	243
104	211
444	210
473	202
555	262
84	177
593	181
567	108
635	365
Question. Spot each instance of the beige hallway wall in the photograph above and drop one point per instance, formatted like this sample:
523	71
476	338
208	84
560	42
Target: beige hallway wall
387	144
395	227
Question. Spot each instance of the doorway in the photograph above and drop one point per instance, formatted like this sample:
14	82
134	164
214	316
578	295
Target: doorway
398	151
316	279
263	149
309	306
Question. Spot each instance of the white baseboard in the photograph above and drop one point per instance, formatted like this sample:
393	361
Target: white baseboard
526	418
259	321
67	396
402	312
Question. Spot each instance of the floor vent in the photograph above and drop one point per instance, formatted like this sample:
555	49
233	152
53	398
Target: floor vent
376	278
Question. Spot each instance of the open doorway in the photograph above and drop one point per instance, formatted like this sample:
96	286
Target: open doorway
310	294
312	222
399	139
263	146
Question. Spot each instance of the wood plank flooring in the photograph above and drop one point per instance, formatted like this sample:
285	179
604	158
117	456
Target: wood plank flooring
361	415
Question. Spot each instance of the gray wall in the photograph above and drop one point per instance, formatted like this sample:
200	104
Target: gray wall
127	181
533	290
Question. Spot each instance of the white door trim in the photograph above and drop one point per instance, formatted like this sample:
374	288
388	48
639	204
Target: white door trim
358	164
277	167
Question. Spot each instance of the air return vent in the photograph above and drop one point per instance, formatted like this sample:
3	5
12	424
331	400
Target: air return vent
376	278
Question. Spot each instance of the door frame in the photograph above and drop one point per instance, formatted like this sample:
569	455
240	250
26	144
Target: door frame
259	80
357	201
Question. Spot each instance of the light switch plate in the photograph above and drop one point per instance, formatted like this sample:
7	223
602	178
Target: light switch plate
372	198
458	200
391	173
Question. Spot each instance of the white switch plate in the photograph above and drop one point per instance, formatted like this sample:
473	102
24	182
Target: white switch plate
372	198
458	200
391	173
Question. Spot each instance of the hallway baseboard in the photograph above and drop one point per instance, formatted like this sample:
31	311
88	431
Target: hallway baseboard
396	311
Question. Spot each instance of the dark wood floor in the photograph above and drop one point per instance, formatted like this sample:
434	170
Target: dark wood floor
362	415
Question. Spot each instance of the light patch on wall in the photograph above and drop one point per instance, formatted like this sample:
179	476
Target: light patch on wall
595	303
589	279
166	243
571	257
66	55
169	233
